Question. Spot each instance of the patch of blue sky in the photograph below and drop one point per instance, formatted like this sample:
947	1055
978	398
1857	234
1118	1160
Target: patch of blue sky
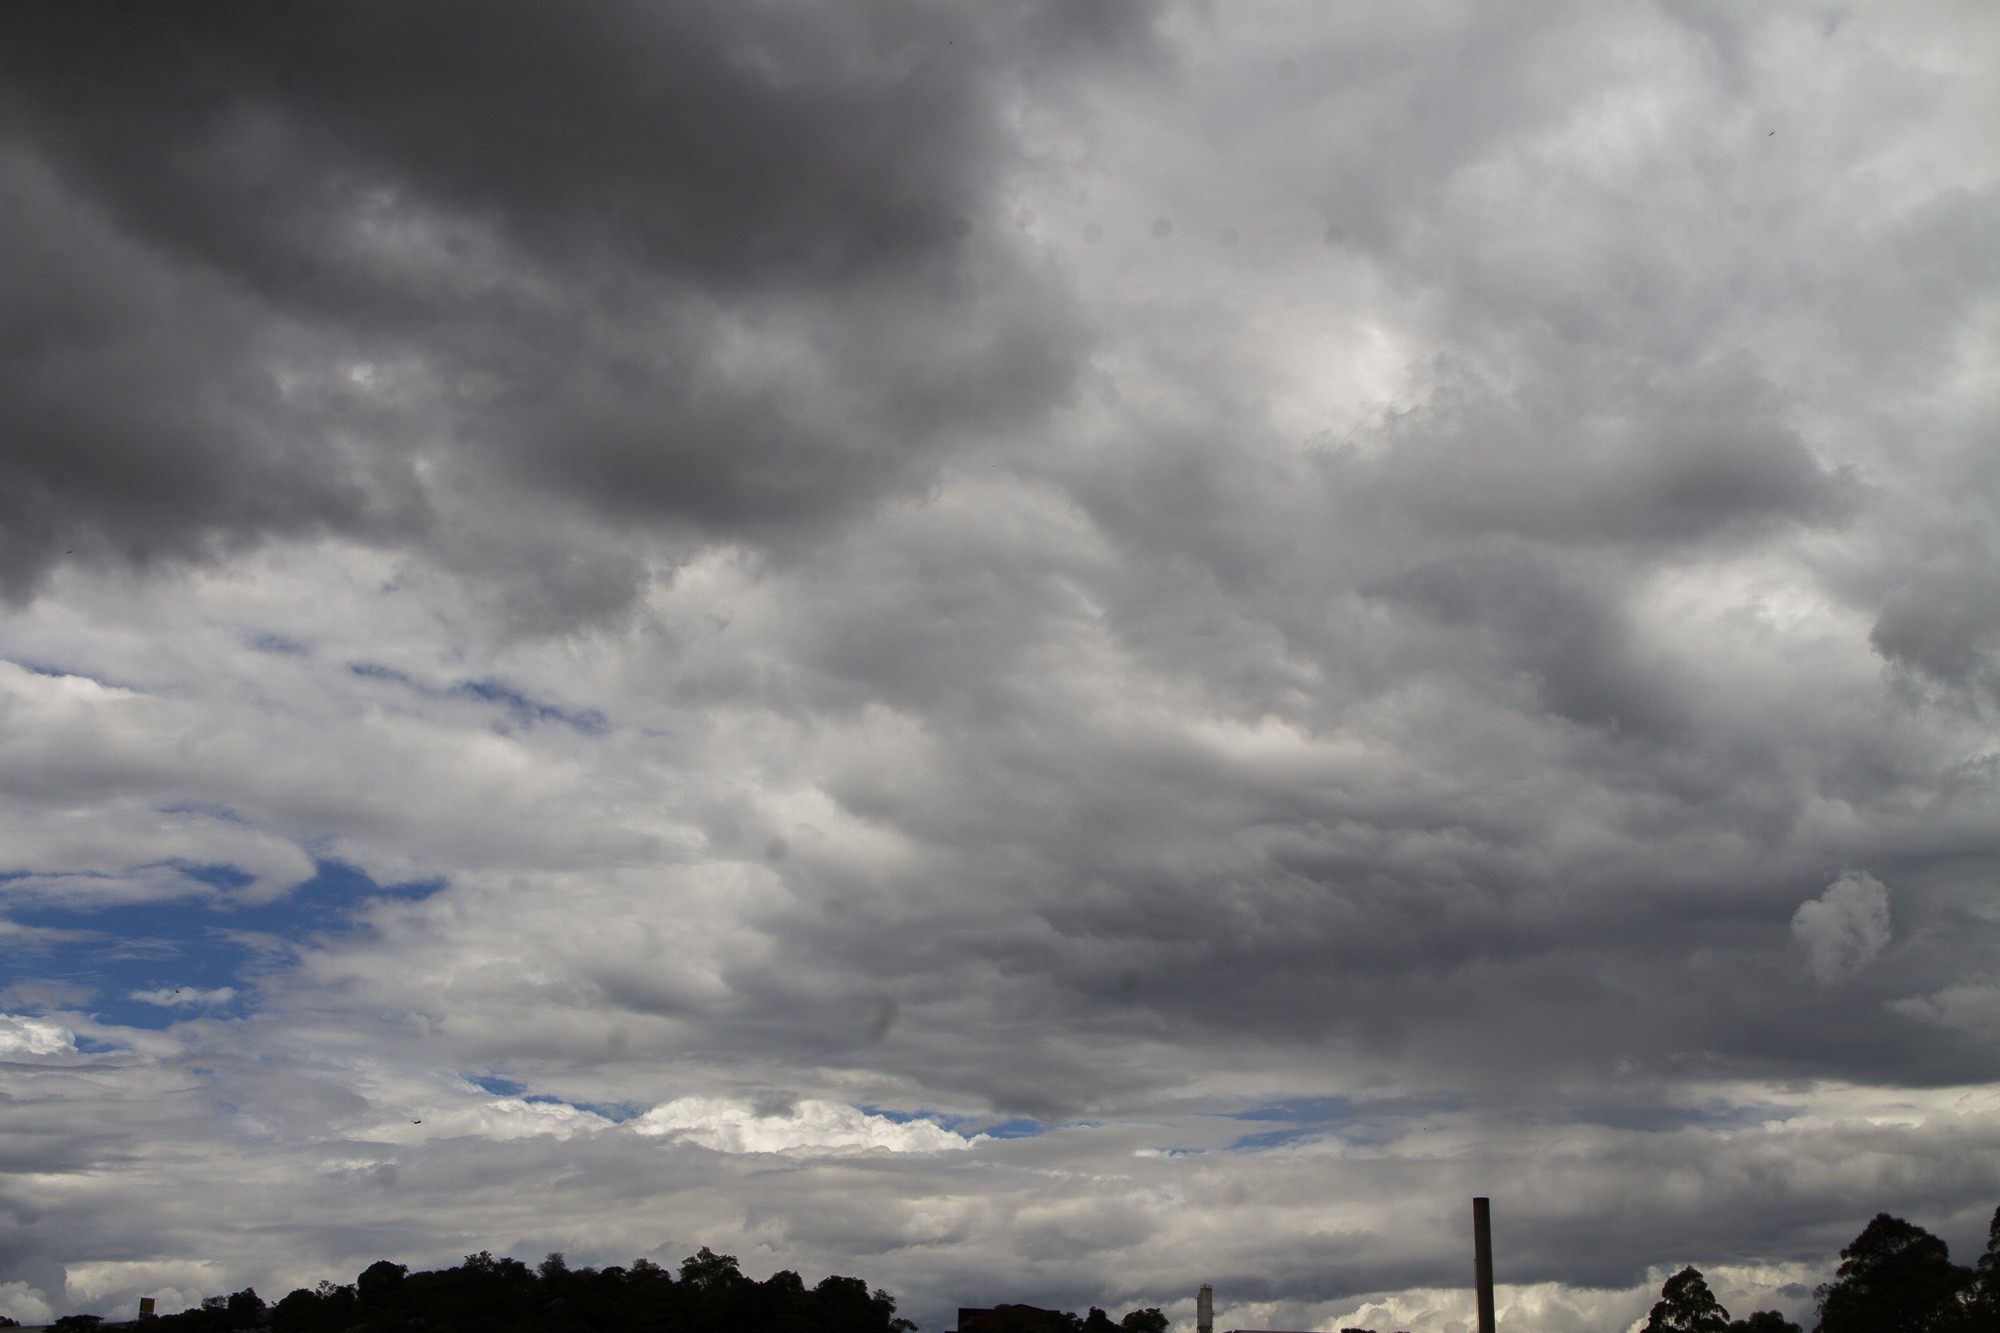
221	876
212	809
40	668
1303	1119
616	1112
1298	1111
378	671
967	1126
1020	1127
1277	1138
942	1119
52	670
525	709
184	954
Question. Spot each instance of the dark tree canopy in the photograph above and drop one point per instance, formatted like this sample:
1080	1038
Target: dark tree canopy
1034	1319
1895	1278
711	1295
1686	1305
1984	1306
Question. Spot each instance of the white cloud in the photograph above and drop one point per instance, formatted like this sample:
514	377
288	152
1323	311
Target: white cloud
809	1127
1844	927
33	1036
499	1119
169	997
112	1288
25	1304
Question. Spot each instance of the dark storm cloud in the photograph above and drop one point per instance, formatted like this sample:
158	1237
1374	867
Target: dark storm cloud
1944	621
1596	454
140	413
1582	846
722	264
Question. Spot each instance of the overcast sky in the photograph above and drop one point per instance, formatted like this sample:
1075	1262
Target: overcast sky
1036	651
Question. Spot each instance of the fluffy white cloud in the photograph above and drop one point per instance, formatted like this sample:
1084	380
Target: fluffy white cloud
1845	927
510	1118
21	1035
183	995
809	1126
24	1304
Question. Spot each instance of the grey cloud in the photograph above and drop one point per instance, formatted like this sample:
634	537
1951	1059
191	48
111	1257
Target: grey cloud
306	267
1944	623
1041	671
1553	624
147	411
1579	461
741	146
1844	927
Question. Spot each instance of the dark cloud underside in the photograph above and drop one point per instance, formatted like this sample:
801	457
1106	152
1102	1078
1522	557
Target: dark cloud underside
289	256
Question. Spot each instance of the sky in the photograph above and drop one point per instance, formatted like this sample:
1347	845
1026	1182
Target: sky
1037	651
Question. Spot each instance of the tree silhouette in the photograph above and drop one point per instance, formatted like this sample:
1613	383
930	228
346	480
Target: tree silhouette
1031	1319
1983	1309
709	1271
377	1285
244	1309
1034	1319
1686	1305
1894	1278
488	1295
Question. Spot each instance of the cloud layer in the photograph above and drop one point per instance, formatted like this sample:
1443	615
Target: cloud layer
1038	652
1844	927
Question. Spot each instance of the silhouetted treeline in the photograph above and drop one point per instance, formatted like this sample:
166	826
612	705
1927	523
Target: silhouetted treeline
711	1295
1034	1319
1894	1278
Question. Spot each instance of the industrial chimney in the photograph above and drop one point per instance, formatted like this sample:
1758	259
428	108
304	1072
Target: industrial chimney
1204	1310
1482	1259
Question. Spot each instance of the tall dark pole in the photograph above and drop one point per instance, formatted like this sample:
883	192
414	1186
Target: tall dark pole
1482	1260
